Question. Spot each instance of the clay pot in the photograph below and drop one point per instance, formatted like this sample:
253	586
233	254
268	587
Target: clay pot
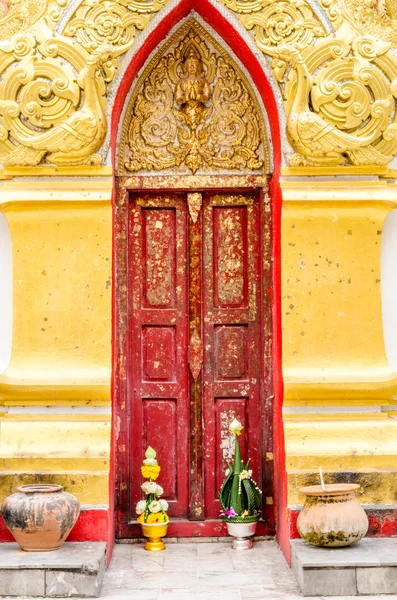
332	518
40	517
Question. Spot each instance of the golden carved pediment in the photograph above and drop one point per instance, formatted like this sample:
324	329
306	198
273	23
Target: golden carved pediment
193	110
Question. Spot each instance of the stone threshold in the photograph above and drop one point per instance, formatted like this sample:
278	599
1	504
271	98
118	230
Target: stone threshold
76	569
366	568
193	540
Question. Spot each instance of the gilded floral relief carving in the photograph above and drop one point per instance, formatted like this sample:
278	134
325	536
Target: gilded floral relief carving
193	110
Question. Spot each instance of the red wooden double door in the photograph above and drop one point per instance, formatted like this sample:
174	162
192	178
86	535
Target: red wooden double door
196	327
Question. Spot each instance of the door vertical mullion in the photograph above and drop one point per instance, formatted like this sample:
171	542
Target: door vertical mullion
195	358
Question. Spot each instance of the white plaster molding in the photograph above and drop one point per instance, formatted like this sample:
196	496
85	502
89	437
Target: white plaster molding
5	294
389	287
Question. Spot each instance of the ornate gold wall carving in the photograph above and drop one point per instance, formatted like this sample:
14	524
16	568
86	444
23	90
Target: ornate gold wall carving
193	109
276	22
375	17
19	15
112	22
54	87
341	102
340	90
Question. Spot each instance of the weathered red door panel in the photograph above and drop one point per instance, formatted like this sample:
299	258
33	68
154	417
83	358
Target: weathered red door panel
195	359
232	335
158	370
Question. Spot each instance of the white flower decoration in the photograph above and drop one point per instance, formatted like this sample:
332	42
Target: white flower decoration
155	506
140	507
164	504
150	487
227	472
236	427
159	490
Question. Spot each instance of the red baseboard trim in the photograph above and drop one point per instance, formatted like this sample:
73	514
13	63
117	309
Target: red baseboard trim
180	528
382	522
92	526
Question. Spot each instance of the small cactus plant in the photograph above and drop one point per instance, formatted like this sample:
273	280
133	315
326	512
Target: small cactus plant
240	496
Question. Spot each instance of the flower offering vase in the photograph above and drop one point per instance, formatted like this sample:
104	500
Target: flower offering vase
242	534
154	532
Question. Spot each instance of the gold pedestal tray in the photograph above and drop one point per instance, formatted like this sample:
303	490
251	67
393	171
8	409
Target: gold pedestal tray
154	531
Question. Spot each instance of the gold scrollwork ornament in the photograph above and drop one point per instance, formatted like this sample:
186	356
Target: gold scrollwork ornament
276	22
374	17
341	102
109	22
46	111
17	16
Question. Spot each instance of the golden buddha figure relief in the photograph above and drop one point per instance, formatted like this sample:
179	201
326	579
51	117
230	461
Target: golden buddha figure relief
192	90
193	85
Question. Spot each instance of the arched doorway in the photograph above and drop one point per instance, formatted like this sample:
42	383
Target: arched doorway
195	335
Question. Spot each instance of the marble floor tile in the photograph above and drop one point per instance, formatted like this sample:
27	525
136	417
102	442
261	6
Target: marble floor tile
139	580
201	564
148	562
199	594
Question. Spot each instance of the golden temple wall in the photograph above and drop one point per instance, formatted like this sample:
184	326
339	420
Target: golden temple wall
55	393
339	387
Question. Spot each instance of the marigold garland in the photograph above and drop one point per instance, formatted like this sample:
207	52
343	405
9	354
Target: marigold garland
153	518
150	471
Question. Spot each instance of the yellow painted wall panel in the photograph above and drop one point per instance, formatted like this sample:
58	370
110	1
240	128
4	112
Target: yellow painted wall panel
341	444
332	319
59	439
62	300
88	487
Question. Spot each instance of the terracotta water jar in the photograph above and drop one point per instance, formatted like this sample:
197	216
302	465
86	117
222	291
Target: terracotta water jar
333	517
40	517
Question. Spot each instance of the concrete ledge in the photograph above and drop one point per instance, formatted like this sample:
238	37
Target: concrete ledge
75	570
367	568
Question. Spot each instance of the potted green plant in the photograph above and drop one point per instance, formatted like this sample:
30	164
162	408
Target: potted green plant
240	497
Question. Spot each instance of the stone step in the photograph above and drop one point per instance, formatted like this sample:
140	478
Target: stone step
75	570
366	568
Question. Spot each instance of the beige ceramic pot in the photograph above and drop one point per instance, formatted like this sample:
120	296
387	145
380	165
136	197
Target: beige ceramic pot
333	517
40	517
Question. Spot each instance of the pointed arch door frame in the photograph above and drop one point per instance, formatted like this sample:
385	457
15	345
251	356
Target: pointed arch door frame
122	188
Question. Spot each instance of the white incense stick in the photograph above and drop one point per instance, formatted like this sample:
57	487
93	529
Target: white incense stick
322	479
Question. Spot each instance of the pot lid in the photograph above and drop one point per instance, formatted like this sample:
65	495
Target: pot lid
332	489
40	488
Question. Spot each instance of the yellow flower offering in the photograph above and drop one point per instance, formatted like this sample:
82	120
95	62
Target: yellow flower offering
153	518
150	471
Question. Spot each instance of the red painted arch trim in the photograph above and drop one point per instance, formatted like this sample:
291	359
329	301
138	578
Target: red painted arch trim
241	49
231	37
